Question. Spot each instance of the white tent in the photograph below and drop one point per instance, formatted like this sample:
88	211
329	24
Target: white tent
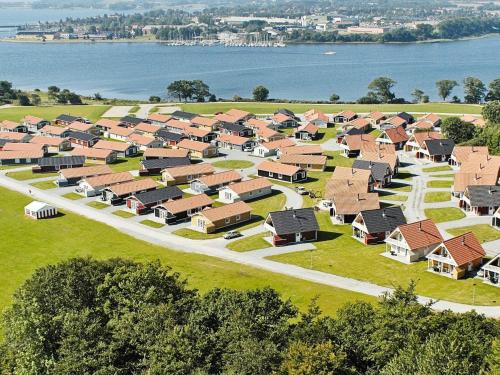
40	210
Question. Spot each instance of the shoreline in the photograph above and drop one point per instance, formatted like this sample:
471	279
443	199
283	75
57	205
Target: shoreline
151	41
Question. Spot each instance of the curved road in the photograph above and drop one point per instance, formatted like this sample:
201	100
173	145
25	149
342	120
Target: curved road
216	249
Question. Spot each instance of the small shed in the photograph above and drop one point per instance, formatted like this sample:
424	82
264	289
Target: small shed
40	210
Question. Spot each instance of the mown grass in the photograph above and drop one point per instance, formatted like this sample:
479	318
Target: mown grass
439	184
28	175
152	224
437	196
442	168
233	164
395	198
123	214
250	243
73	196
483	232
397	186
91	112
29	244
127	164
97	205
44	185
441	215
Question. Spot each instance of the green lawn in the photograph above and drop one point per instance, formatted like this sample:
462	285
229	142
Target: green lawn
405	175
375	133
267	108
439	184
123	214
437	196
92	112
44	185
28	175
338	253
97	205
394	197
325	134
233	164
73	196
260	209
134	109
335	159
152	224
250	243
29	244
440	215
6	167
445	175
127	164
483	232
397	186
442	168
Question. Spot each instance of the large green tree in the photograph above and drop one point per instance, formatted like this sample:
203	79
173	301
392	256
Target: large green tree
474	90
445	87
381	87
458	130
494	90
260	93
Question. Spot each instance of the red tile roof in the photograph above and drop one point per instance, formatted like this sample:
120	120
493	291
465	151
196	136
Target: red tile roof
397	134
421	234
464	249
284	169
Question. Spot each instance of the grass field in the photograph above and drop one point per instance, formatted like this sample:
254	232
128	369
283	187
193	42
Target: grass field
97	205
152	224
442	168
483	232
444	175
440	184
324	135
268	108
29	244
250	243
128	164
440	215
44	185
28	175
338	253
437	196
394	197
123	214
92	112
397	186
73	196
233	164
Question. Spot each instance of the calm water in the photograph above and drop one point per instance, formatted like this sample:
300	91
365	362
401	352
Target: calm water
132	70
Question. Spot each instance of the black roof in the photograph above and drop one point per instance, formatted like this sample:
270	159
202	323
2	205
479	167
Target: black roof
440	146
68	118
286	112
294	221
165	163
383	219
82	136
234	127
167	135
379	170
181	115
63	160
132	120
159	195
484	195
406	116
3	142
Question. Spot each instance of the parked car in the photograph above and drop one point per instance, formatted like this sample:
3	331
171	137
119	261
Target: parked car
231	234
301	190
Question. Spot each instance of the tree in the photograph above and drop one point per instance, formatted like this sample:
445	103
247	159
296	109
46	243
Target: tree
381	88
97	96
418	96
260	93
474	90
457	130
154	99
53	91
23	100
7	93
445	87
36	100
200	89
491	112
74	98
494	90
181	89
334	98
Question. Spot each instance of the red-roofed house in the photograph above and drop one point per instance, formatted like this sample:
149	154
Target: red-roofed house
395	136
307	132
344	116
33	123
284	121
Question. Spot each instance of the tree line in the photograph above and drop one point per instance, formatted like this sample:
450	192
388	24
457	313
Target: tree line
10	95
85	316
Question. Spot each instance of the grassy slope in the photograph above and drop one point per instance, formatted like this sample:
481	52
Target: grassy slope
483	232
29	244
211	108
92	112
340	254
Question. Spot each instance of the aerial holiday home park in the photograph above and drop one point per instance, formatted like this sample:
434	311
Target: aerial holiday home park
391	180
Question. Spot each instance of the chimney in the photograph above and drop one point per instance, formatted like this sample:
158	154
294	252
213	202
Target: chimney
463	240
383	214
294	214
420	225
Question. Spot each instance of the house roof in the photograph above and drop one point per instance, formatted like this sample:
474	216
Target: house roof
405	116
220	178
377	116
421	234
132	186
234	127
294	221
147	128
67	118
360	123
383	219
396	121
462	180
109	179
397	134
256	123
318	116
480	163
92	153
188	170
302	150
421	137
54	130
123	132
15	146
107	123
169	136
225	118
226	211
464	249
250	185
268	133
13	136
165	153
462	153
158	195
37	206
204	121
131	120
278	144
184	115
6	124
96	170
238	114
110	145
182	205
33	120
431	118
281	117
379	171
344	186
440	146
352	204
62	160
284	169
80	126
178	124
233	139
421	125
81	136
193	145
356	141
21	154
158	117
308	128
379	148
345	173
391	159
304	159
142	140
47	141
483	195
165	163
346	114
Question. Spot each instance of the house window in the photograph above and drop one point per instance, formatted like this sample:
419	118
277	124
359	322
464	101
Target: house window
228	220
280	175
238	217
201	223
271	174
309	165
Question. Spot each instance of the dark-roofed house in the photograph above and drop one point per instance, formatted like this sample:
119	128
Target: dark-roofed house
33	123
131	121
69	177
373	226
491	271
65	120
407	117
58	163
481	199
170	138
143	203
235	129
183	116
116	194
436	150
179	210
381	172
80	139
155	166
122	149
456	257
292	226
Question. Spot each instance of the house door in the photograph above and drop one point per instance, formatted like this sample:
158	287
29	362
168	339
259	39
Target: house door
491	210
298	237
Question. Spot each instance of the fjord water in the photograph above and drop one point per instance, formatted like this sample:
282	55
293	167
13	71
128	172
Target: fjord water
138	70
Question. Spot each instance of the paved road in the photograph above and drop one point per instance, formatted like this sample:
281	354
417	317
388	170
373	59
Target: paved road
210	248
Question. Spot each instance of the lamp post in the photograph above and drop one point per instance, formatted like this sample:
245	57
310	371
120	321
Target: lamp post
473	293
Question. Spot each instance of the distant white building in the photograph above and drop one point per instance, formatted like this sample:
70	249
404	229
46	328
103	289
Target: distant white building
40	210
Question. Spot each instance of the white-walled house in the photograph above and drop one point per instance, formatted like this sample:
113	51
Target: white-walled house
245	190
